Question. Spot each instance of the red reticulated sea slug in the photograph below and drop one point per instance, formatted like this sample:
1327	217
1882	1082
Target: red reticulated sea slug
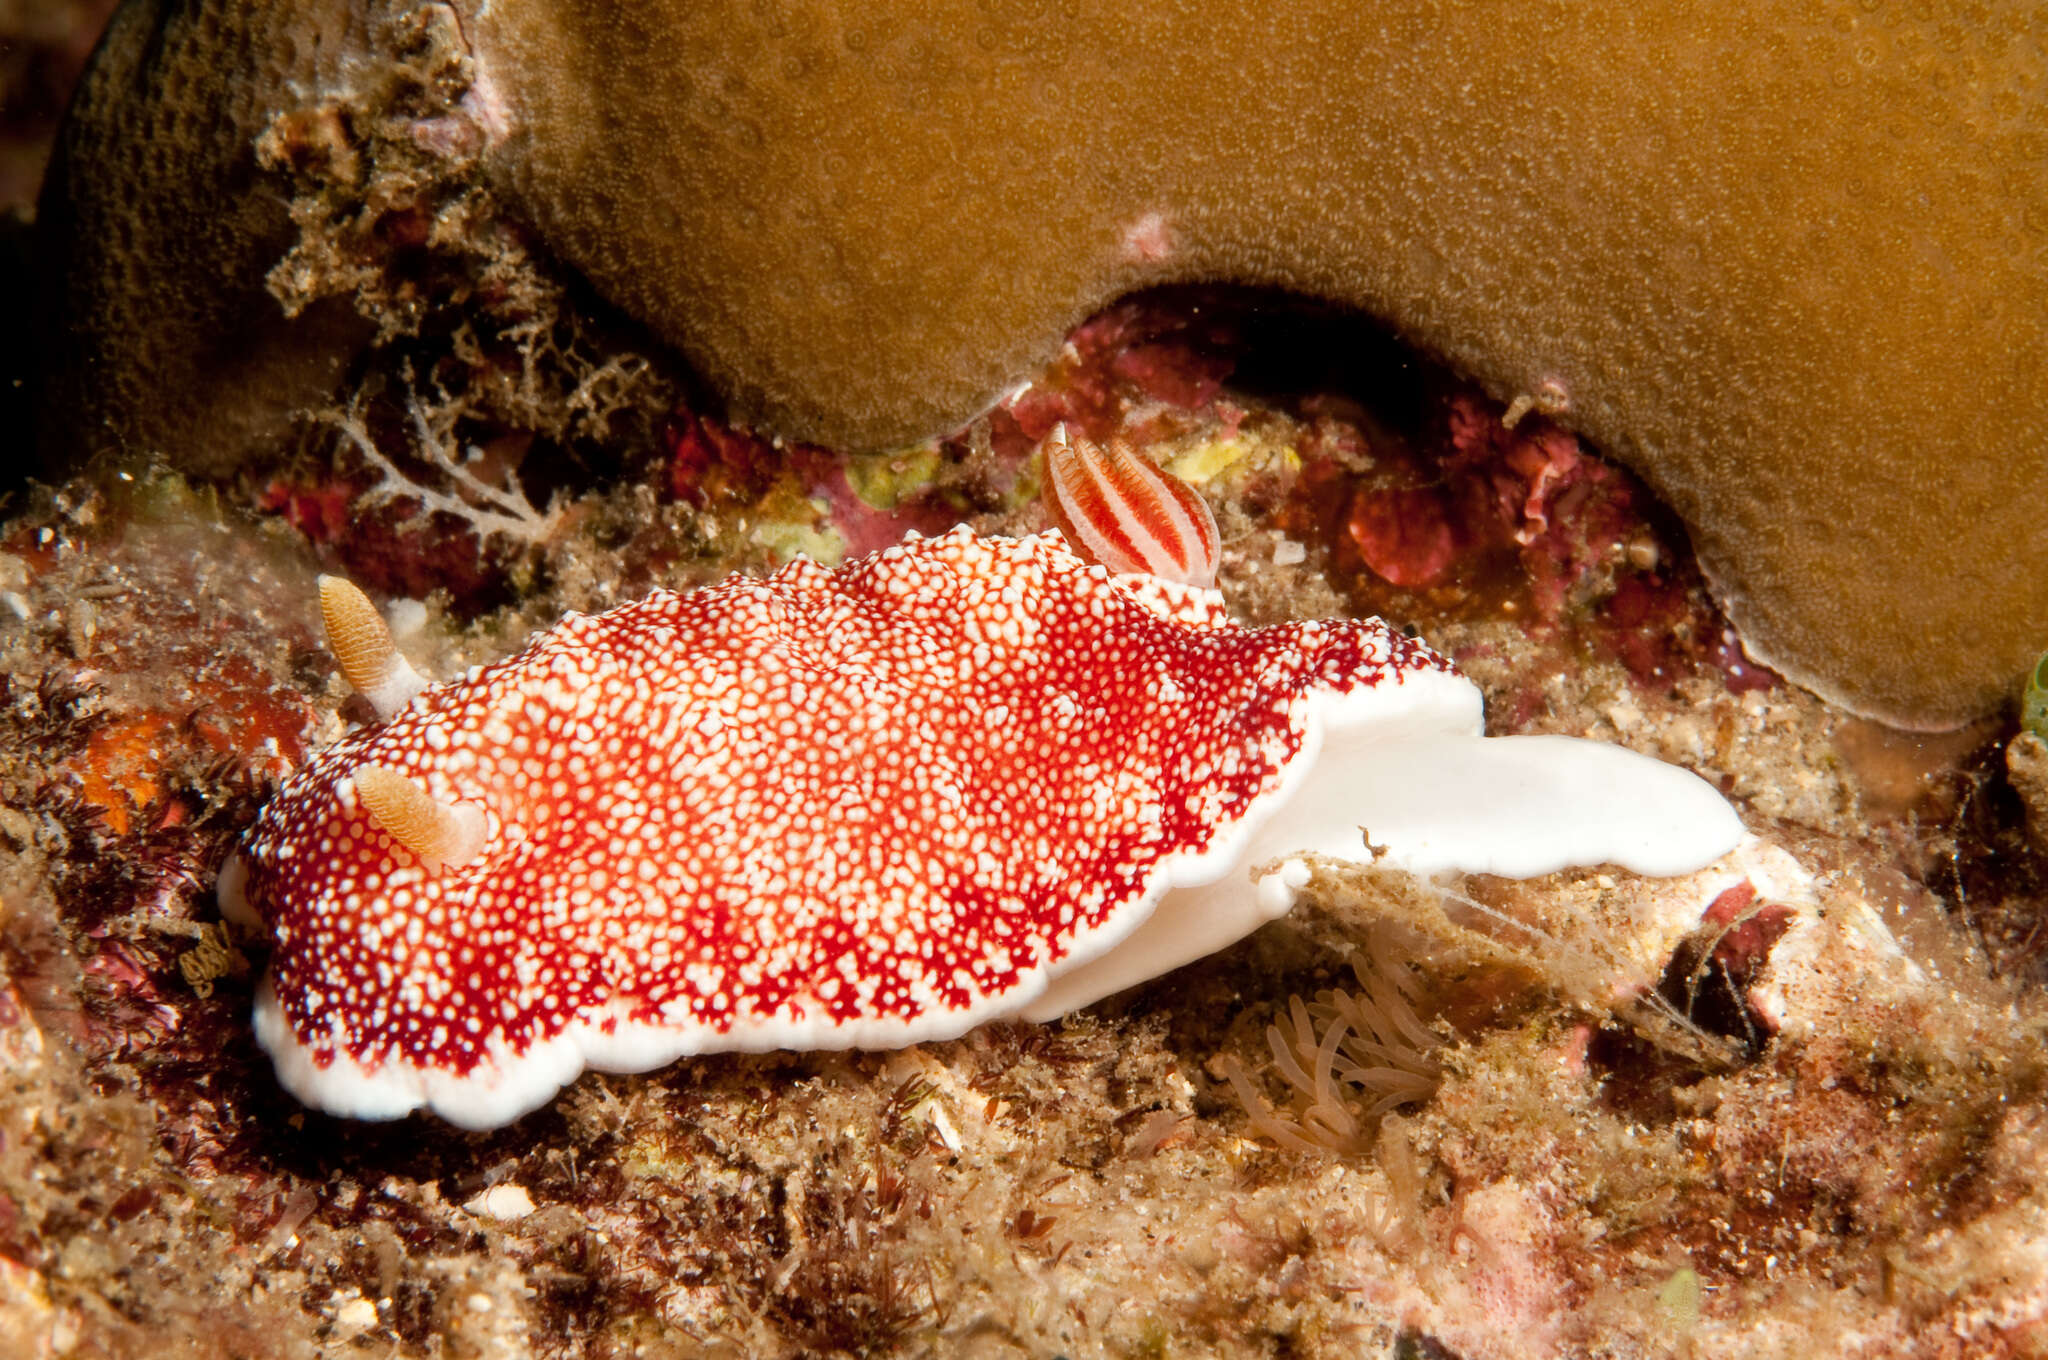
959	779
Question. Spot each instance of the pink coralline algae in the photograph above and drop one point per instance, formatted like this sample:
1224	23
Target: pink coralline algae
1525	489
1130	355
956	780
711	462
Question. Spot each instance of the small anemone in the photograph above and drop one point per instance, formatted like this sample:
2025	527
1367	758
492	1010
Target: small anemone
1348	1059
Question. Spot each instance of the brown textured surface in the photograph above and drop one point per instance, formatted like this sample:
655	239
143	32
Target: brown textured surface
1791	269
156	234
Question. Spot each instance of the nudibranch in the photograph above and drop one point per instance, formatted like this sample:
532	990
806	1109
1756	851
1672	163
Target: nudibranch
959	779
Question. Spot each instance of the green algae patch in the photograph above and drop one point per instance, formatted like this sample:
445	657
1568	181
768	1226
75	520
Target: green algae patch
1209	459
2034	701
884	481
785	541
